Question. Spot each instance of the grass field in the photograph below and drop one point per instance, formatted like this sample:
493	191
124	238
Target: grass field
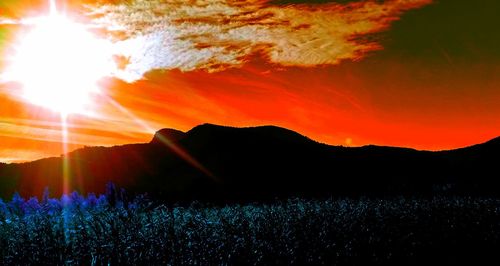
102	230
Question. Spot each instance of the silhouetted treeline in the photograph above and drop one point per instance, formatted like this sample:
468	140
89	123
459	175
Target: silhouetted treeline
260	163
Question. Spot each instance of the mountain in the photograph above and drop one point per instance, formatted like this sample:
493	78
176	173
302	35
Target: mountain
225	163
168	134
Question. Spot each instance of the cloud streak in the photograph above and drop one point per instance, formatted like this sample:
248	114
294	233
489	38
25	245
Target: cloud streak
219	34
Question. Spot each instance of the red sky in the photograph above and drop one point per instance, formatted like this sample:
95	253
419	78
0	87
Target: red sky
383	97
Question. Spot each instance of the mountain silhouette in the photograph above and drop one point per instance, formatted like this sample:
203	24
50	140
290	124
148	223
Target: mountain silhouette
168	134
225	163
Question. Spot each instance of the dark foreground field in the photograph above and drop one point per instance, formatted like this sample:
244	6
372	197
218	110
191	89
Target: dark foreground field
105	230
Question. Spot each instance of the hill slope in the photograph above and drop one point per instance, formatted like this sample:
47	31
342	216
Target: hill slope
215	162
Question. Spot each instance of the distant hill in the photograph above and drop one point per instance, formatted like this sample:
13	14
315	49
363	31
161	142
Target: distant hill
224	163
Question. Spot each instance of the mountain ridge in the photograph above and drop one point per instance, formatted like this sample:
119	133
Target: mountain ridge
218	162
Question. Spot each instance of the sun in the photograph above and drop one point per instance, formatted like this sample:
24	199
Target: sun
58	63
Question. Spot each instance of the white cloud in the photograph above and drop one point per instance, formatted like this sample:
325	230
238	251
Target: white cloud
219	34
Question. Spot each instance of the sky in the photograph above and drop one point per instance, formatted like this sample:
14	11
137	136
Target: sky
413	73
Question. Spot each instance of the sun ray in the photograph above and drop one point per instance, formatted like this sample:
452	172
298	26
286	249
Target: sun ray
65	160
53	7
170	144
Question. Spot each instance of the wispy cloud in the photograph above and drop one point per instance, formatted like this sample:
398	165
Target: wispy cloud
214	35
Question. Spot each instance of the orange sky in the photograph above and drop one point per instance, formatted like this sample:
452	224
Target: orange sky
383	97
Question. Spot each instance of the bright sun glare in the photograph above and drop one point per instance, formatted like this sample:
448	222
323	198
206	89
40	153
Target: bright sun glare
58	63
